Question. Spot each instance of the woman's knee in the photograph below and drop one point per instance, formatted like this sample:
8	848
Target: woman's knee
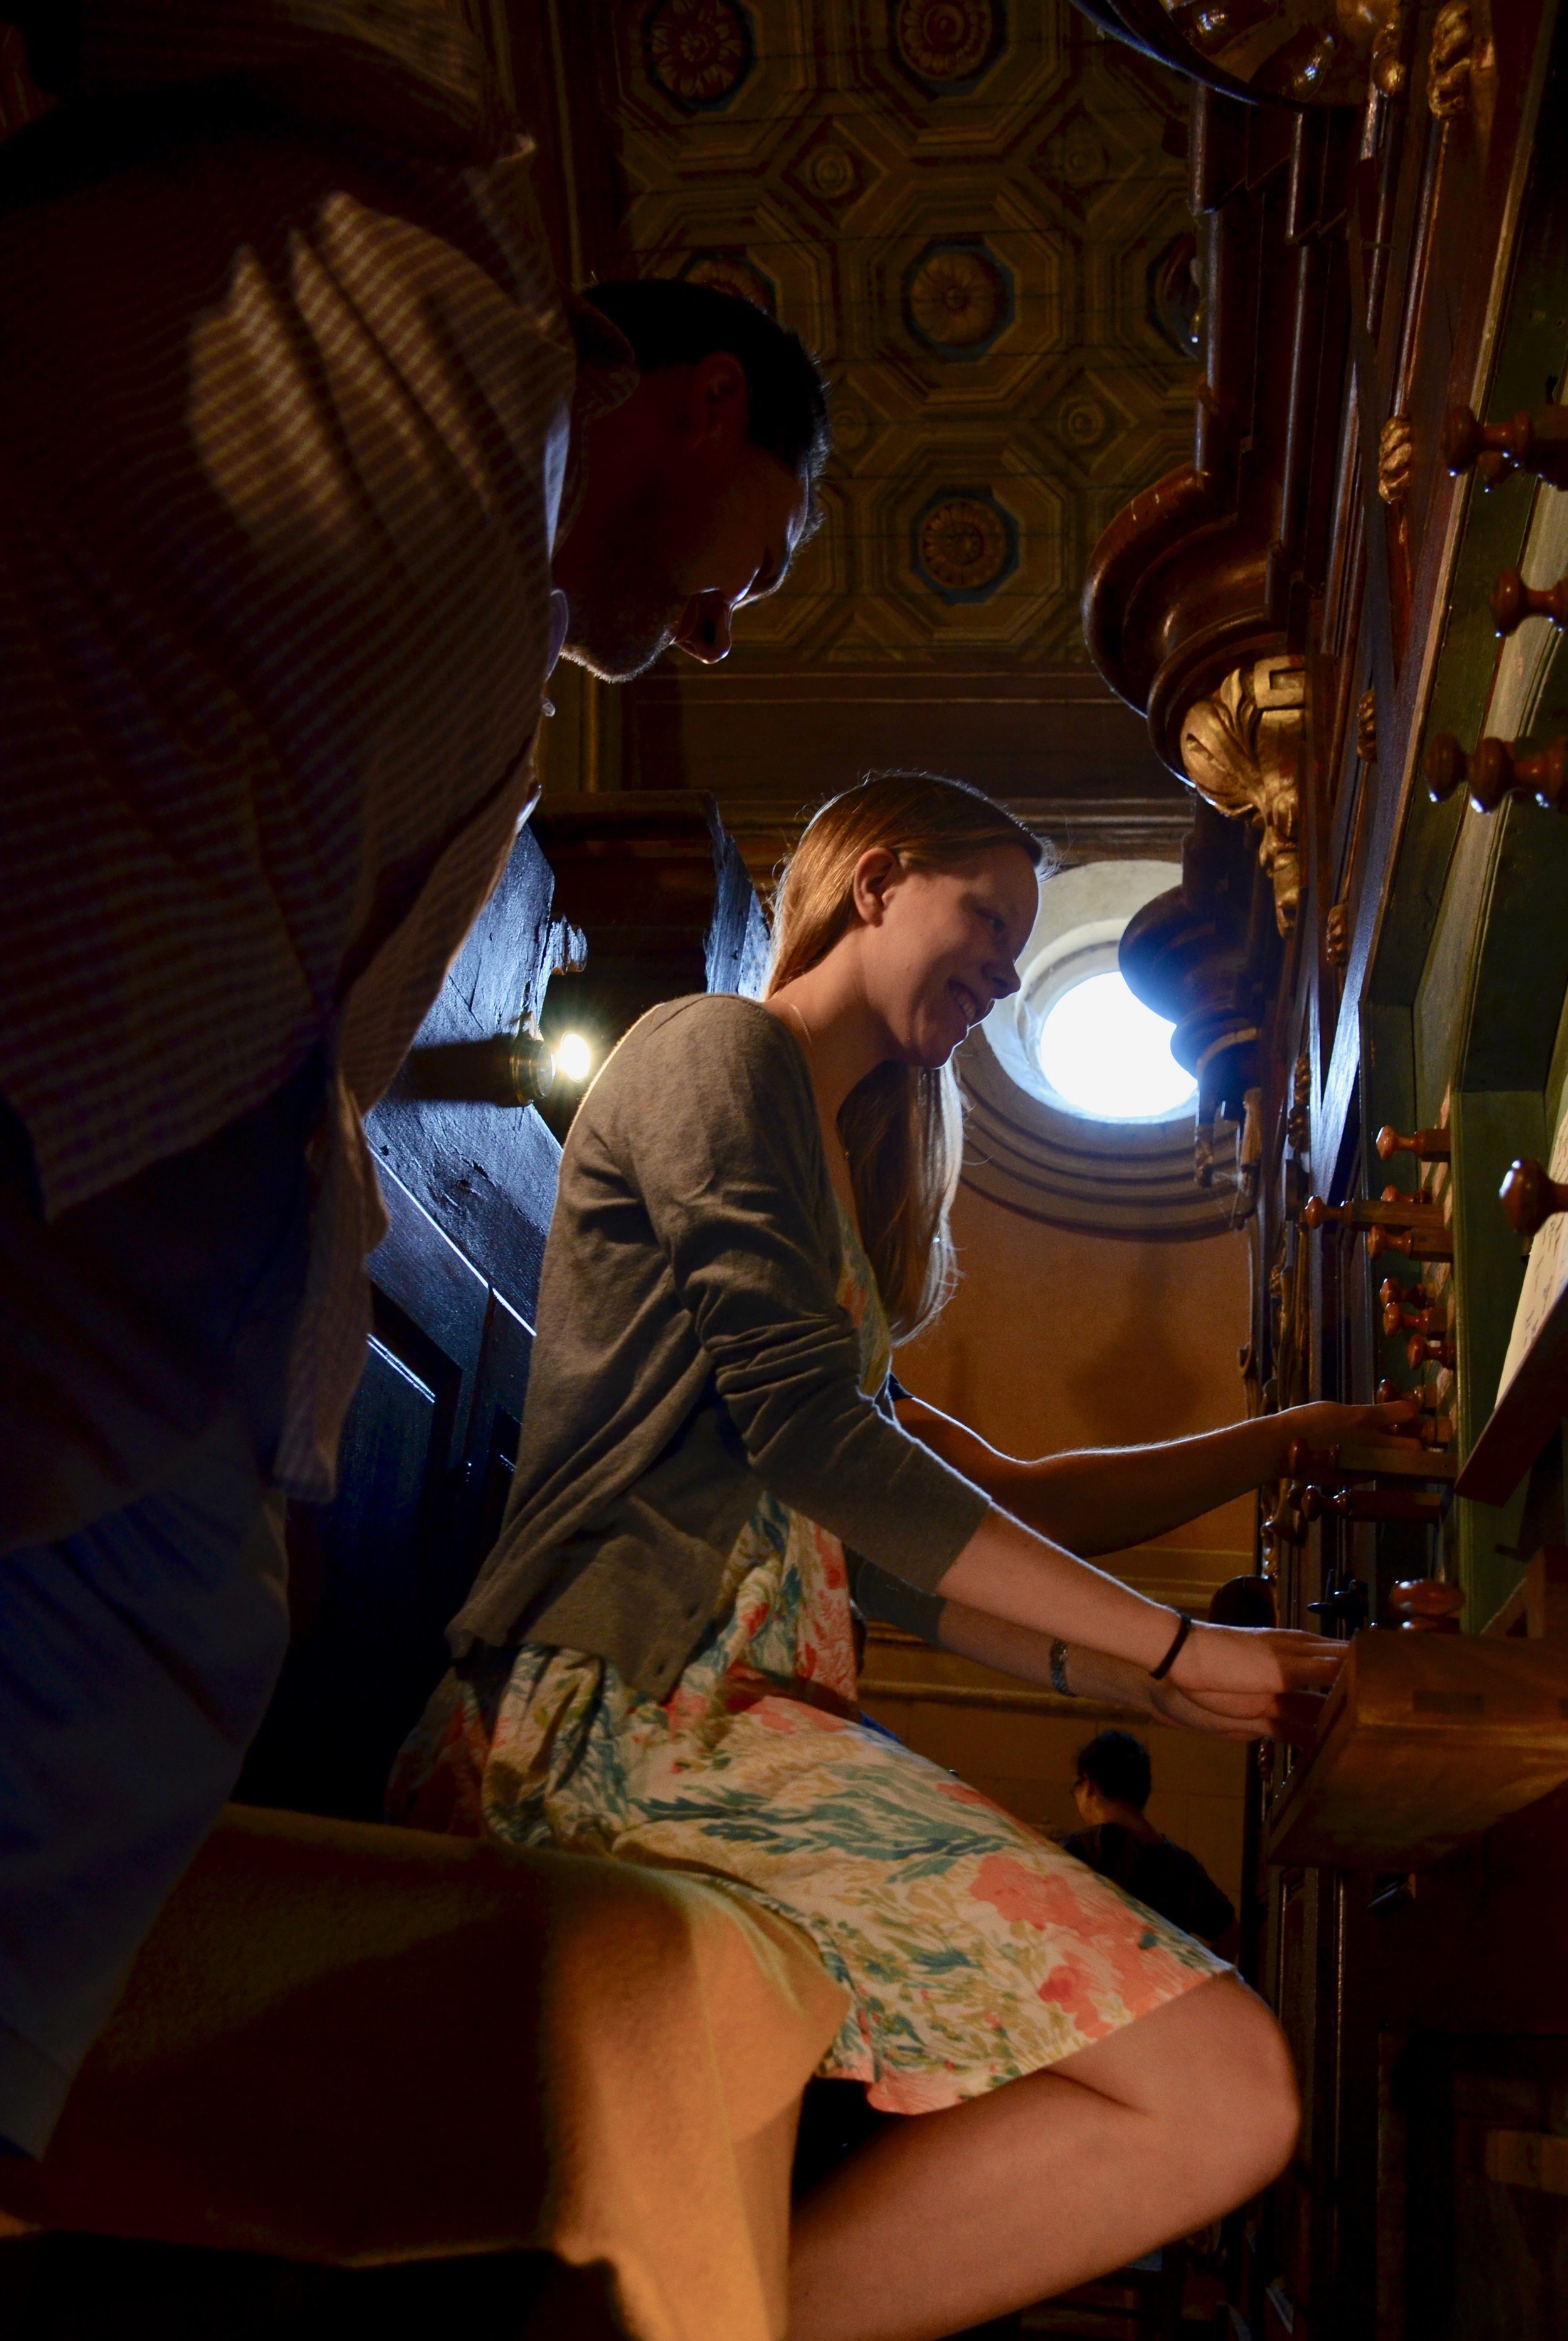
1256	2109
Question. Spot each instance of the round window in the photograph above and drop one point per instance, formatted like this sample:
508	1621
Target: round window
1073	1035
1104	1053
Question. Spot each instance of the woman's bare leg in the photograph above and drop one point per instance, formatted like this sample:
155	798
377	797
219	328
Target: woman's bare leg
945	2219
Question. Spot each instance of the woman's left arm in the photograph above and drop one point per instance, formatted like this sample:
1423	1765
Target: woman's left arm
1101	1499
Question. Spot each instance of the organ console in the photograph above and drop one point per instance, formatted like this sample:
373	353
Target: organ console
1401	1007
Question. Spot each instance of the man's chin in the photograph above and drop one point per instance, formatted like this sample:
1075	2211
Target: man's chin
620	661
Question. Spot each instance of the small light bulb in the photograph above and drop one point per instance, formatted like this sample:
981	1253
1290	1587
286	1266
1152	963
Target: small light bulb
573	1057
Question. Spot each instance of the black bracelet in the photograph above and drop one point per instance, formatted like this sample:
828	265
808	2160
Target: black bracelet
1059	1682
1183	1628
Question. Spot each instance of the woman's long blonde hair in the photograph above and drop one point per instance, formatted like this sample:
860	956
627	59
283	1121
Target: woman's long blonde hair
902	1125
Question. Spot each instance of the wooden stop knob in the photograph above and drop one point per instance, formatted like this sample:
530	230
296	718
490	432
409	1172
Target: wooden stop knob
1430	1349
1399	1319
1498	769
1513	601
1528	1197
1535	440
1409	1243
1427	1605
1303	1459
1389	1504
1426	1145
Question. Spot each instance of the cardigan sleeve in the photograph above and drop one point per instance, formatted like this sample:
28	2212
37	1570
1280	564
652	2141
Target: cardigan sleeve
719	1135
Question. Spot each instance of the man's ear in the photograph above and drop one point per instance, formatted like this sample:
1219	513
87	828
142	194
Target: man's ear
717	404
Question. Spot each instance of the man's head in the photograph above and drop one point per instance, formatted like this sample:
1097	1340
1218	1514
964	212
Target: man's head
698	489
1113	1770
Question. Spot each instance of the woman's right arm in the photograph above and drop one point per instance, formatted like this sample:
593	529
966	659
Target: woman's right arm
1012	1575
1291	1716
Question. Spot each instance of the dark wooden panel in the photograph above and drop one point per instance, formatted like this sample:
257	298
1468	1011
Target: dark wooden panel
376	1574
486	1174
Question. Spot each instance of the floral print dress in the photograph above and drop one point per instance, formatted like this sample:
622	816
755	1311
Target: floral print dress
973	1951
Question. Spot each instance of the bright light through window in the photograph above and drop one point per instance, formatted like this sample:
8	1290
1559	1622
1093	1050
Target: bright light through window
1107	1055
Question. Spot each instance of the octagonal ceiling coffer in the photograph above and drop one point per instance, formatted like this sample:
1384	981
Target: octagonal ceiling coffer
966	545
947	47
700	52
958	297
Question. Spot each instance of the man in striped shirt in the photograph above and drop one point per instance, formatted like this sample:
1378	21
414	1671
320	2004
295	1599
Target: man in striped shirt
294	424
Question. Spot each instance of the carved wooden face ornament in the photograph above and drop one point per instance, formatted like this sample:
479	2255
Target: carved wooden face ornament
1241	751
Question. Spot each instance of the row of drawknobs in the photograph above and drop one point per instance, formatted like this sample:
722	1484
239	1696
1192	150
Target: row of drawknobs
1532	441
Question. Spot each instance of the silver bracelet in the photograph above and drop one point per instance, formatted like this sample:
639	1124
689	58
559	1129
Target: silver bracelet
1059	1682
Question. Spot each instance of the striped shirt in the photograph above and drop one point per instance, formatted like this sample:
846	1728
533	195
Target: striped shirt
279	482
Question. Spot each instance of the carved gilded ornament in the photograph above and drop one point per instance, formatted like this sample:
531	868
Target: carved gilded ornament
1452	57
1366	727
698	50
1318	51
1395	459
1298	1122
1241	751
958	298
946	40
1336	935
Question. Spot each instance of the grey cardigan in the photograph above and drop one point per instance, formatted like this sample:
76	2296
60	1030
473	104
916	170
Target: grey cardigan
692	1352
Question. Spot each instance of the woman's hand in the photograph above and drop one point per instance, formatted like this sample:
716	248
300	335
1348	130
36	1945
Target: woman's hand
1254	1662
1292	1716
1326	1424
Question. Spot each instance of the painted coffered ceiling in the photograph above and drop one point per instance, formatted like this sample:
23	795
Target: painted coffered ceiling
966	207
974	210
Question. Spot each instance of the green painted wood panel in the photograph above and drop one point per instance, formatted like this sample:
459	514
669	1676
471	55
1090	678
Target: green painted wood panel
1490	1127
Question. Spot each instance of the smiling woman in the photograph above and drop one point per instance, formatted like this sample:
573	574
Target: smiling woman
658	1661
